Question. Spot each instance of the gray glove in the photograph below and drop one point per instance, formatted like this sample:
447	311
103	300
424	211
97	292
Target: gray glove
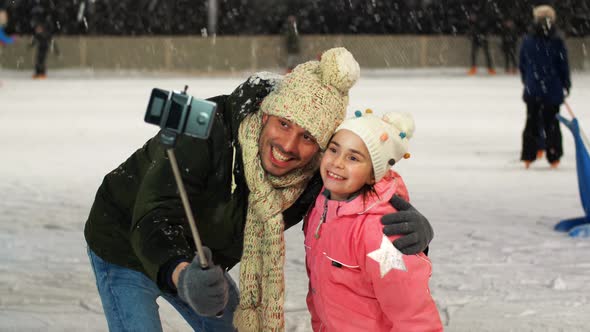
206	291
410	223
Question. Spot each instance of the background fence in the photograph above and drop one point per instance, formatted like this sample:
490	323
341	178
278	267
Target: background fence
195	54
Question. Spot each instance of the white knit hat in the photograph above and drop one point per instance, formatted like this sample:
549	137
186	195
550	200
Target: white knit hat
386	138
544	11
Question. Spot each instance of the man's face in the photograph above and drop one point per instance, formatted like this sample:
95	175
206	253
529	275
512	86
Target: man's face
285	146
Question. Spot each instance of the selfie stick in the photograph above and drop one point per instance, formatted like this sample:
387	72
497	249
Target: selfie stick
187	208
168	139
189	212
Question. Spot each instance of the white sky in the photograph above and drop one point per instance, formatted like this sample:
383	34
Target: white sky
497	263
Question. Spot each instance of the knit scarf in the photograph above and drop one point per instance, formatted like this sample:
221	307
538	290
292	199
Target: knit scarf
262	284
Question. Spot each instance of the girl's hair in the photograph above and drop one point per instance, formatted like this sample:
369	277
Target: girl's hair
368	189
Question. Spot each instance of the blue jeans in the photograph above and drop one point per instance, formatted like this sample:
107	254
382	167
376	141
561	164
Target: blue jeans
129	301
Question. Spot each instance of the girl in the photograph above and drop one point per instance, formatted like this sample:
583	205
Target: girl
358	280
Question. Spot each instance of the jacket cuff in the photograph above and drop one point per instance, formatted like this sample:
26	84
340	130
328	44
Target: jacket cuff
165	274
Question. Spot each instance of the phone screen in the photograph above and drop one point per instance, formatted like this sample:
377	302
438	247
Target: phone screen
156	106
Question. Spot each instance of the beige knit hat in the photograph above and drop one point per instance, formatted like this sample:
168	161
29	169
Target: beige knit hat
315	94
386	138
544	11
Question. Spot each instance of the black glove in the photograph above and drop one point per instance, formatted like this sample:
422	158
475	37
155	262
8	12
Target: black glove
206	291
410	223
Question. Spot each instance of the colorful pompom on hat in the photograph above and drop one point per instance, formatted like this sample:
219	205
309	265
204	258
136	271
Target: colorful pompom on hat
315	94
386	137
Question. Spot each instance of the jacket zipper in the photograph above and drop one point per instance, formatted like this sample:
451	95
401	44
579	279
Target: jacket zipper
322	220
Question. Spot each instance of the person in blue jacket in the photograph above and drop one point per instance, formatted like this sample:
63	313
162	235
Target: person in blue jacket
545	73
4	39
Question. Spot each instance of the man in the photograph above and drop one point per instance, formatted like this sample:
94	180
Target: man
479	39
43	40
43	29
509	40
255	176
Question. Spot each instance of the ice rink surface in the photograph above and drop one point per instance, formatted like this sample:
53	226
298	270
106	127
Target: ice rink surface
497	263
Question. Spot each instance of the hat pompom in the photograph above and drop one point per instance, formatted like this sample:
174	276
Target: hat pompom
339	69
403	122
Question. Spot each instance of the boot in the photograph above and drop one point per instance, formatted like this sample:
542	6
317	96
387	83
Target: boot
472	71
491	71
527	164
540	154
554	164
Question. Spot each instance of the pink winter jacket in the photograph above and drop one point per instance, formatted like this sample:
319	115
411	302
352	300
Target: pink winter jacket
349	290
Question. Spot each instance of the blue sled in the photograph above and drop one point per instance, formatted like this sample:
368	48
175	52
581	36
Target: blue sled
579	227
569	224
580	231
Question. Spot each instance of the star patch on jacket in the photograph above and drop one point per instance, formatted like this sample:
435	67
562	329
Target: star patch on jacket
388	257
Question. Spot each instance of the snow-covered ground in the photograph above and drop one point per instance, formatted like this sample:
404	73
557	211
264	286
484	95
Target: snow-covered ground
498	265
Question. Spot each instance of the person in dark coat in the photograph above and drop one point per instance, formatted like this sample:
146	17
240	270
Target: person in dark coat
43	41
255	176
479	39
509	40
545	73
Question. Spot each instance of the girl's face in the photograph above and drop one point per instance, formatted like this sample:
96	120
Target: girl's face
346	166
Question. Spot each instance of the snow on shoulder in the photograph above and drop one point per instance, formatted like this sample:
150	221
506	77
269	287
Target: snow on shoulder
273	79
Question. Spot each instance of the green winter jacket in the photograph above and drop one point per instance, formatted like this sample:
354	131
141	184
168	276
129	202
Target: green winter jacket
137	219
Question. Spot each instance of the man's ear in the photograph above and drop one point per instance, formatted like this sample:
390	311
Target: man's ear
265	118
